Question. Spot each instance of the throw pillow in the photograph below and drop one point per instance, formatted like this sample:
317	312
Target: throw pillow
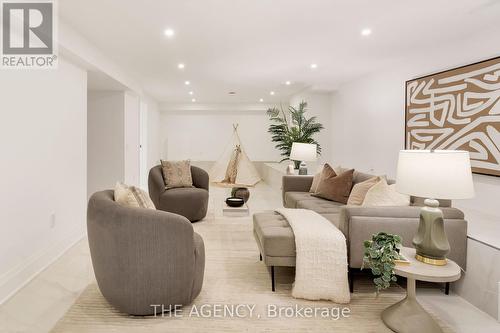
383	194
316	179
177	174
335	188
359	191
132	196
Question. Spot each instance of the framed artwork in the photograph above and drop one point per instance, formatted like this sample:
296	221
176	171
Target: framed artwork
458	109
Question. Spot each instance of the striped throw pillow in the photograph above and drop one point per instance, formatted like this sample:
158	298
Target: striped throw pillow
132	196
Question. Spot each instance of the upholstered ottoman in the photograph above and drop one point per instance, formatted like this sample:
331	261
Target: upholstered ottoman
275	240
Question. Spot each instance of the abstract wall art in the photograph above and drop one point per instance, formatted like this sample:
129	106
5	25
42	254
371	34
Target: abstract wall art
458	109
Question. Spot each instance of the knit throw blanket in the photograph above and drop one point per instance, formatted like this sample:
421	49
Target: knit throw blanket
321	259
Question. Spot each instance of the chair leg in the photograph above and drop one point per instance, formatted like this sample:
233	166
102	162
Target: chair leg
260	256
272	279
350	277
447	288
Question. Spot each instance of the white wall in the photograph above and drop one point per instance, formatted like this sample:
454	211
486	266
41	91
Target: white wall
154	135
44	148
368	132
105	133
132	139
319	105
202	135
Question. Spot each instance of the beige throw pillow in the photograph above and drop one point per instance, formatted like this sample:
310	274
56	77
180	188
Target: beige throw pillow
383	194
177	174
132	196
333	187
359	191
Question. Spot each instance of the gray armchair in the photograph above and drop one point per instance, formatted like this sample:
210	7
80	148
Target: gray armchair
191	202
143	257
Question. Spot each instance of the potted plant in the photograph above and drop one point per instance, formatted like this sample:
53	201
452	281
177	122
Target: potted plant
292	126
379	255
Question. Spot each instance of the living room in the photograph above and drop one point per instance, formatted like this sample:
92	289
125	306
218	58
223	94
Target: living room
250	166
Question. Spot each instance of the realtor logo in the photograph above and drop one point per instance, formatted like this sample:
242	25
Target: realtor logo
28	31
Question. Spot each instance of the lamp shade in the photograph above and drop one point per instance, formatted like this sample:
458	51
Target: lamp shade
303	152
437	174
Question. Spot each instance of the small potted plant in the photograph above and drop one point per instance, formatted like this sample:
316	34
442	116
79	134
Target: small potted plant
380	255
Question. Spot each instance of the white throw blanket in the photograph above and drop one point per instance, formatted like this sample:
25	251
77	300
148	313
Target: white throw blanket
321	263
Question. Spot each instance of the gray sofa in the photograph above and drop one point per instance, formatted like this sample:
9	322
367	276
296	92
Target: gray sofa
142	256
190	202
276	241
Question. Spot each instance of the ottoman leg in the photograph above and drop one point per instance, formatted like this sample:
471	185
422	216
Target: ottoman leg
272	279
260	256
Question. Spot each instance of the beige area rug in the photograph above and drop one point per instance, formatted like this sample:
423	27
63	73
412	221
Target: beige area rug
234	275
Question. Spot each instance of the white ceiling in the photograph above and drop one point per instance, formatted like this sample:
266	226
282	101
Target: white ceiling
254	46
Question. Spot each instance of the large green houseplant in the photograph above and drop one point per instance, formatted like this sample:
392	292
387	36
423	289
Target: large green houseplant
292	126
379	255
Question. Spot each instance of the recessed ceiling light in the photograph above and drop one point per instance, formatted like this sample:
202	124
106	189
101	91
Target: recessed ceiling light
261	100
271	93
288	83
169	32
190	93
314	66
187	83
193	100
181	66
366	32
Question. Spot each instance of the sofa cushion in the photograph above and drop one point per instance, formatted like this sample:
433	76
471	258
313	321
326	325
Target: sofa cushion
190	202
292	198
335	188
274	234
320	205
359	177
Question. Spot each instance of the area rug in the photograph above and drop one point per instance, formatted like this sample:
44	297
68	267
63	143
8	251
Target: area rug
237	297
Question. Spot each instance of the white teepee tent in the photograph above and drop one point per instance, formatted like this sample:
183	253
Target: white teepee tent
234	168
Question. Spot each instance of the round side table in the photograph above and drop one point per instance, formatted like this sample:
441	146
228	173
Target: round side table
408	316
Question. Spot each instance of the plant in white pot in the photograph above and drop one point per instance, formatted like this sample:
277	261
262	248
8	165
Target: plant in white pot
291	125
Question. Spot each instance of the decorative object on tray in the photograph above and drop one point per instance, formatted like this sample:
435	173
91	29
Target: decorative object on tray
457	109
292	126
434	174
408	316
241	192
235	202
290	169
380	255
303	152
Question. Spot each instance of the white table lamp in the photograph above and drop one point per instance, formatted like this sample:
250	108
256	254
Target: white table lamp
434	174
303	152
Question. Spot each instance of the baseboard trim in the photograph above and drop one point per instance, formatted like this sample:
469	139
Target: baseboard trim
19	276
